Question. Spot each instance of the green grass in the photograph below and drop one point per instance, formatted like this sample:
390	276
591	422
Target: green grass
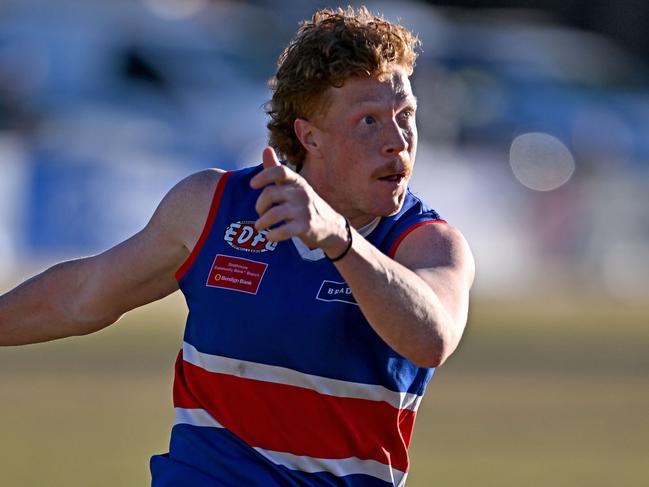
547	392
552	392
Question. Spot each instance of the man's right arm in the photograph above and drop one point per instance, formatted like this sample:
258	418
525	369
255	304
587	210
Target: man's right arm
81	296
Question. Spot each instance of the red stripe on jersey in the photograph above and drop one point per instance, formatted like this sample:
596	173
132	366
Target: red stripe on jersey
297	420
211	216
395	245
182	397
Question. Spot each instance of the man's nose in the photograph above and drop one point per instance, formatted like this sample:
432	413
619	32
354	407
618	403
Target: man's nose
395	139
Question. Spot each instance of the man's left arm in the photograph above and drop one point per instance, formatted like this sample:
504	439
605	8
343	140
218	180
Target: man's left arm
417	302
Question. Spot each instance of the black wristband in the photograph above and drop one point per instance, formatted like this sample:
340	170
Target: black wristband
349	245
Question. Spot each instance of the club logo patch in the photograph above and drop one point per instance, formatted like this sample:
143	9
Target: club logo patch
236	274
336	291
242	235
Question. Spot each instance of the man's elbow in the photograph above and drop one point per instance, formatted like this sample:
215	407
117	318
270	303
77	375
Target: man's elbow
432	358
436	350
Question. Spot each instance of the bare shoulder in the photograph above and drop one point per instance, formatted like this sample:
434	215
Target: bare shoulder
183	211
437	245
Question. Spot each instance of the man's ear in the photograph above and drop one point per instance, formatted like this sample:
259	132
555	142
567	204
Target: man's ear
308	135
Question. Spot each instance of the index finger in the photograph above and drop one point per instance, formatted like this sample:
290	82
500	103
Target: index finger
269	158
273	173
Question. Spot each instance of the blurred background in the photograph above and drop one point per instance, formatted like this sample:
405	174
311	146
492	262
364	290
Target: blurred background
534	141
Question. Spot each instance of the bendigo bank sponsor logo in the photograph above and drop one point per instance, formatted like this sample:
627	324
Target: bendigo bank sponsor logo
242	235
336	291
236	274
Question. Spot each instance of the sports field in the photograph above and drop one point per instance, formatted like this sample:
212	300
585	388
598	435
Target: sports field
553	392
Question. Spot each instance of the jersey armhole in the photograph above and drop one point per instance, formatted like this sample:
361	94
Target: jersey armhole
395	245
211	216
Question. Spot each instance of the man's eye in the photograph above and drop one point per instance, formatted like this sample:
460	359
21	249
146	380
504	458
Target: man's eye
369	120
407	113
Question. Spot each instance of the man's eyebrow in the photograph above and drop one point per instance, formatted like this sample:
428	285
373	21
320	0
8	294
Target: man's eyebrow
409	99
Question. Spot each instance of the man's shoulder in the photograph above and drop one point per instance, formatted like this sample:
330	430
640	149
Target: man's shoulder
199	182
422	235
392	230
184	208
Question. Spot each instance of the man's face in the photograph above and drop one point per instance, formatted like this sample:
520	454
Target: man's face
368	141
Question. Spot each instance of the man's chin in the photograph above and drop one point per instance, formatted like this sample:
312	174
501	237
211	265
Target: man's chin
394	208
385	206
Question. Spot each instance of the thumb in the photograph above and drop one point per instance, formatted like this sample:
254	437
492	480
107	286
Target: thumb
269	158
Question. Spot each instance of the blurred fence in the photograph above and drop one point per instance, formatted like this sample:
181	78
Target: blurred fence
533	136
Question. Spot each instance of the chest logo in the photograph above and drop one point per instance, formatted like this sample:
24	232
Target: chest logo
336	291
236	274
242	235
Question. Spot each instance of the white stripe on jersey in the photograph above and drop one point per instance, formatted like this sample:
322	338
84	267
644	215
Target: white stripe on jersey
283	375
336	466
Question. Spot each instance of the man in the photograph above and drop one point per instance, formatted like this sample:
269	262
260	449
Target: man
320	296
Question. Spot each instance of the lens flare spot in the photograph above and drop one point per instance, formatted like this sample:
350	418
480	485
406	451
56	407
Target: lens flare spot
540	161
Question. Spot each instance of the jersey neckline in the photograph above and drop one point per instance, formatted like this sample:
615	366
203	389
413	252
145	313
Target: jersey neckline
317	254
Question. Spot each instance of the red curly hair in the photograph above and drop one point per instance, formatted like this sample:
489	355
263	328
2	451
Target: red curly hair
333	46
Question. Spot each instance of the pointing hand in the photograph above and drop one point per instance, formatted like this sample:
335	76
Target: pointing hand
292	207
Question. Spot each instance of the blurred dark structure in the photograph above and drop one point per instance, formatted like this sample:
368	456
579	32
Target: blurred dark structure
623	20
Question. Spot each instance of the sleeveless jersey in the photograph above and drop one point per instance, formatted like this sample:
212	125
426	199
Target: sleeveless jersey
281	381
